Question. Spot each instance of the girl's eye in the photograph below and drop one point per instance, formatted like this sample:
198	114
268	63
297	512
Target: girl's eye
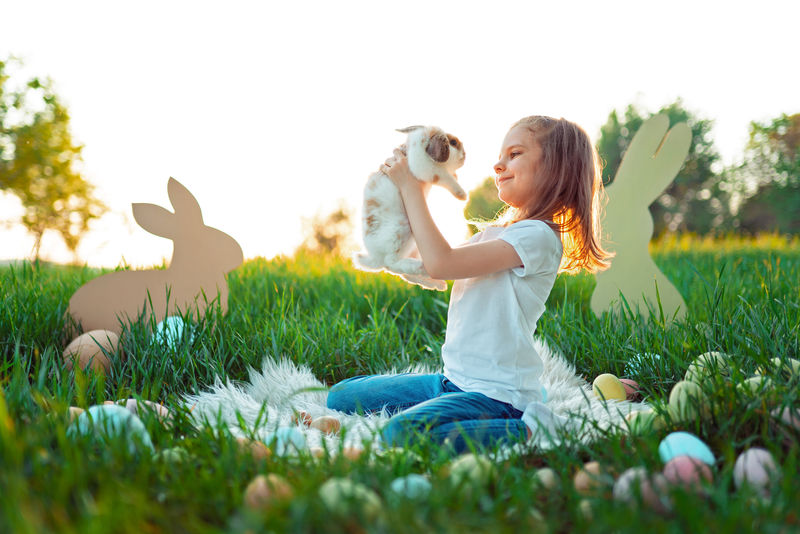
515	154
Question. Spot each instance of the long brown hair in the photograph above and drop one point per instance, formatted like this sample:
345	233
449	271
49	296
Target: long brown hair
569	193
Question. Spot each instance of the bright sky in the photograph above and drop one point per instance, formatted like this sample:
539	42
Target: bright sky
271	111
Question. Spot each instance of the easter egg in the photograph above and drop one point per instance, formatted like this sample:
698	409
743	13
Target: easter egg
687	472
590	477
411	486
637	482
755	467
787	416
641	363
585	509
344	497
352	453
687	402
546	478
104	421
302	418
172	455
711	366
631	388
264	490
471	468
644	422
255	448
684	444
170	331
788	369
327	424
92	349
608	387
286	440
756	386
74	412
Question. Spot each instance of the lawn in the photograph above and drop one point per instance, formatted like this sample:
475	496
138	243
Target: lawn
743	299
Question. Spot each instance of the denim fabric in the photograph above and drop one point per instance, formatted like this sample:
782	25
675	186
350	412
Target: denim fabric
429	405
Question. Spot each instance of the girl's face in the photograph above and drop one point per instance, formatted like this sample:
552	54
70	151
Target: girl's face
516	169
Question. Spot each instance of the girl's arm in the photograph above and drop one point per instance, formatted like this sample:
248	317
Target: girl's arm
440	259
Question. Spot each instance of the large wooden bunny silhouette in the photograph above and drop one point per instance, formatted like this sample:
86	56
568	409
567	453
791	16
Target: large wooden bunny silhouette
651	162
196	275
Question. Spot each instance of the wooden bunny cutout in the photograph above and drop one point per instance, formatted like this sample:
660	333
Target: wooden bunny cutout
196	275
651	162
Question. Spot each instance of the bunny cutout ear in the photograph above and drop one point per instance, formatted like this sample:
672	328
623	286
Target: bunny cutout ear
652	160
155	219
187	210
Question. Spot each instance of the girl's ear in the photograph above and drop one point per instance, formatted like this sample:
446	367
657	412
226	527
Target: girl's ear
438	147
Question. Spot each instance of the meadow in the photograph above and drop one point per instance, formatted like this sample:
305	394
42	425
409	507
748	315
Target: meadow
743	299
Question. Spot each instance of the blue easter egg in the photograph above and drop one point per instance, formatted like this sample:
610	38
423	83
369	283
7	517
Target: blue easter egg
684	444
412	486
109	420
285	440
170	331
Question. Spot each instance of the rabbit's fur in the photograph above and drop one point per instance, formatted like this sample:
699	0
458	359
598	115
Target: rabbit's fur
433	158
196	275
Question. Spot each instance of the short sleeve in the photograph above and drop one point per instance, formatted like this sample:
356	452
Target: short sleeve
536	244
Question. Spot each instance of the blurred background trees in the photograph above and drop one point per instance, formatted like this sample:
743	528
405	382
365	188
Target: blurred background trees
761	194
40	162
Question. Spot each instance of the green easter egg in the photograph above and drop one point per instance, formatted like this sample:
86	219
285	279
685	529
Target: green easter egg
644	422
708	366
756	386
687	402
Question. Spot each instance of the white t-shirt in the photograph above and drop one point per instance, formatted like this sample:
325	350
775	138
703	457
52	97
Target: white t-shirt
488	345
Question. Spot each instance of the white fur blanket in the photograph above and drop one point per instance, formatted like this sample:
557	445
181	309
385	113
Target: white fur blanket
281	389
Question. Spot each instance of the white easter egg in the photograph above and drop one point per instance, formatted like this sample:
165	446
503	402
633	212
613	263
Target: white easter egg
755	467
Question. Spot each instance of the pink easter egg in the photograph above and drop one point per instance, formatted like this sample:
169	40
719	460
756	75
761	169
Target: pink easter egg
755	467
687	472
631	388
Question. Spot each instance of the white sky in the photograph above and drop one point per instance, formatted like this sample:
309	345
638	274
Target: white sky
271	111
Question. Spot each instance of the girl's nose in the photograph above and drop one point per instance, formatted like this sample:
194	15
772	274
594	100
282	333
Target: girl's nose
498	167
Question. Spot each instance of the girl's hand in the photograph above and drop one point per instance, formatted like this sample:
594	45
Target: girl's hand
396	168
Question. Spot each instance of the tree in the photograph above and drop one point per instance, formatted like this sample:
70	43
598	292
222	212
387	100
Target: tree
698	199
329	233
771	169
483	204
40	162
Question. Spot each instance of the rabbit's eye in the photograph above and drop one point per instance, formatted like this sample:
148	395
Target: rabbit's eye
453	143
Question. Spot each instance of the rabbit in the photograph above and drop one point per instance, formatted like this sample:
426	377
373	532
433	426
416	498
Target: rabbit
201	257
433	158
651	162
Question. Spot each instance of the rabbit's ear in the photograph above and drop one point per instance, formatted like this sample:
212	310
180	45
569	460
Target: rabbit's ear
409	129
438	147
155	219
186	207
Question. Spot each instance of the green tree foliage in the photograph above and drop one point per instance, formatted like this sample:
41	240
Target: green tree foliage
483	204
772	169
40	162
698	198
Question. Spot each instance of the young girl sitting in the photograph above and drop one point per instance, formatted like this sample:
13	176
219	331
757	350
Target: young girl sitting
549	176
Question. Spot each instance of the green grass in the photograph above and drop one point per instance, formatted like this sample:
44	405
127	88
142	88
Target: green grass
743	299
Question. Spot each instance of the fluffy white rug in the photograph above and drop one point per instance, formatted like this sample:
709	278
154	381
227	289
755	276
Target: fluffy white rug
281	389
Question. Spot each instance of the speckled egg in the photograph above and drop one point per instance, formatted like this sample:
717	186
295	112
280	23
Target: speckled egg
92	349
684	444
688	472
755	467
641	363
608	387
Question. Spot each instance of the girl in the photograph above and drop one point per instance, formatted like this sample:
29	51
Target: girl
549	176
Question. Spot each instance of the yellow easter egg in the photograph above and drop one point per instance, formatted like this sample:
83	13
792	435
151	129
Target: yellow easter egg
608	387
92	349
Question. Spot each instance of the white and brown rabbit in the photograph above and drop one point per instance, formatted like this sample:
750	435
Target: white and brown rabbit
433	158
200	259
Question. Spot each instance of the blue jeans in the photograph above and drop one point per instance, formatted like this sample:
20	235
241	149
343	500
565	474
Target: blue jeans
429	405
